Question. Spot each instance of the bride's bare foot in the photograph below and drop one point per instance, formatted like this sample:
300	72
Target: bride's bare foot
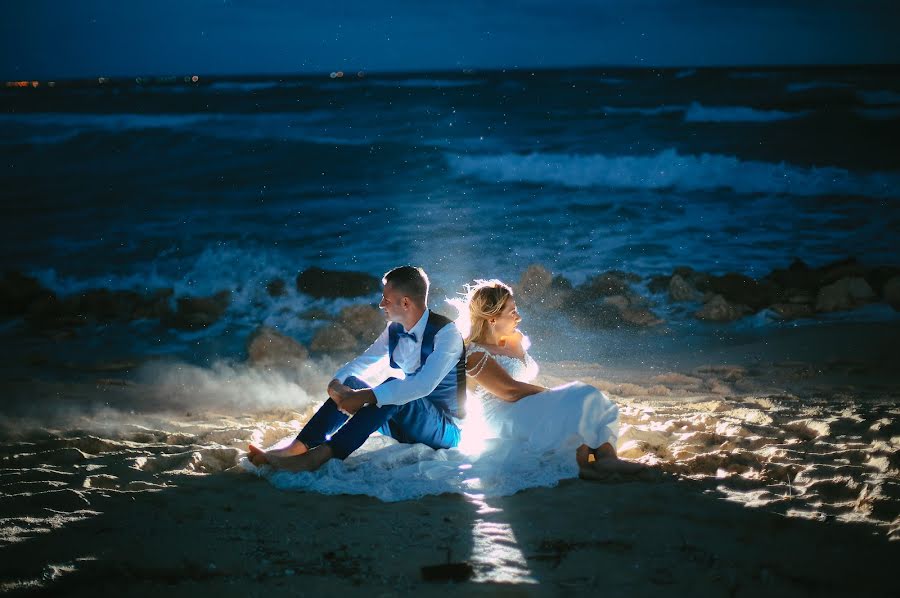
605	451
583	455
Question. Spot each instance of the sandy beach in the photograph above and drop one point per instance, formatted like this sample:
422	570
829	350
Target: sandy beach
777	477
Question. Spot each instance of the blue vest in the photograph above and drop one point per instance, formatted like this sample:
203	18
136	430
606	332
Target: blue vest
450	393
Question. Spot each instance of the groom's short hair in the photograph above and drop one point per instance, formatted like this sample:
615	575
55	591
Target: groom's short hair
411	281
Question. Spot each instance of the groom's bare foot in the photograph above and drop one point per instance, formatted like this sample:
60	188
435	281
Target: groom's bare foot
306	461
258	457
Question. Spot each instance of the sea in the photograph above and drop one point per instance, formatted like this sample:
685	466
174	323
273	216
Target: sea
209	183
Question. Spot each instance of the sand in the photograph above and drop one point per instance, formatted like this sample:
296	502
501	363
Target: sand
776	478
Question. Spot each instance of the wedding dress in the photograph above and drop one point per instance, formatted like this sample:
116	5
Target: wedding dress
506	447
565	416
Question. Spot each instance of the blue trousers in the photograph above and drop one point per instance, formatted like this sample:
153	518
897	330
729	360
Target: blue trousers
416	421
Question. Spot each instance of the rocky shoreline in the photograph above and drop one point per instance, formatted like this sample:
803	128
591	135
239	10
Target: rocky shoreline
607	300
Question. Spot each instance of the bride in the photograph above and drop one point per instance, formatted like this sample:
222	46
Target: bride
501	374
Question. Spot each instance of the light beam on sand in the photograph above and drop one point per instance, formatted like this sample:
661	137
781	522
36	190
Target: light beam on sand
495	551
475	432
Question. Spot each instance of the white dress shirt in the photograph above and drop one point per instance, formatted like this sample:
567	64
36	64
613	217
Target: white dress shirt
448	347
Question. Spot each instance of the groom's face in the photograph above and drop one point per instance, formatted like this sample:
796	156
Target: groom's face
394	304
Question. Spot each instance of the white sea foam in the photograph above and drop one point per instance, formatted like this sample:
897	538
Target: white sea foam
227	384
697	112
669	169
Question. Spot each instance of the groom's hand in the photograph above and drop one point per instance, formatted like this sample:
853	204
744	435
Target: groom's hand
354	402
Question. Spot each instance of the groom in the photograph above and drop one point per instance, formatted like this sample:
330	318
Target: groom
426	405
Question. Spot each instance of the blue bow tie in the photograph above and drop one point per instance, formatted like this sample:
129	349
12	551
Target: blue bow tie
410	335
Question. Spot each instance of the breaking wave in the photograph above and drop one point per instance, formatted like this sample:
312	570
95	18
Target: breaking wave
669	169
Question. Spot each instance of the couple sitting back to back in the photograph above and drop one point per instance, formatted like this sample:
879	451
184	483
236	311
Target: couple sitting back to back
428	405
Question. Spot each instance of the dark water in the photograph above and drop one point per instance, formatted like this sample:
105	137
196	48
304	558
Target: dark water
229	184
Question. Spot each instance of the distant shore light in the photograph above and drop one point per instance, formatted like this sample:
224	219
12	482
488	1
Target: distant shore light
195	78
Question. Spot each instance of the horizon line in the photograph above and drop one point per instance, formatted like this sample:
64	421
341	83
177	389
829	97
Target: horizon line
352	74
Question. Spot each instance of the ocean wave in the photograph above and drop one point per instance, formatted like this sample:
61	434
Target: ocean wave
52	127
811	85
684	74
640	111
418	83
881	113
670	170
750	75
882	97
243	87
696	112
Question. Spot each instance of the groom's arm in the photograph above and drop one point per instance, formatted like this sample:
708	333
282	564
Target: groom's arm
448	348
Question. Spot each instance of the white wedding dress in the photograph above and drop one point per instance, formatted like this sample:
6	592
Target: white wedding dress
562	417
506	447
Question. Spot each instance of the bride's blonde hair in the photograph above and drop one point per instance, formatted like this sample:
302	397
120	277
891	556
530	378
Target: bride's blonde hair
485	299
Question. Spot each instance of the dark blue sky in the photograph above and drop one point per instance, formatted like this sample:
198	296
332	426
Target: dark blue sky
89	38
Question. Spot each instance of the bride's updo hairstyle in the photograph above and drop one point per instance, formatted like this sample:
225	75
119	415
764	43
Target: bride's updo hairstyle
486	299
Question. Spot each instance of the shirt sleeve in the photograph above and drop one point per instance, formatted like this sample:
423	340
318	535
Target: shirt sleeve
448	348
376	352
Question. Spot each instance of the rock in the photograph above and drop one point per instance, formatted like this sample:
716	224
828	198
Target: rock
619	301
333	338
846	293
798	277
698	280
878	276
639	316
363	322
791	311
267	346
681	290
718	309
596	315
331	284
608	284
314	314
607	301
535	281
194	313
156	305
891	292
18	292
846	268
737	288
561	283
538	288
659	284
276	288
47	311
614	312
104	305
